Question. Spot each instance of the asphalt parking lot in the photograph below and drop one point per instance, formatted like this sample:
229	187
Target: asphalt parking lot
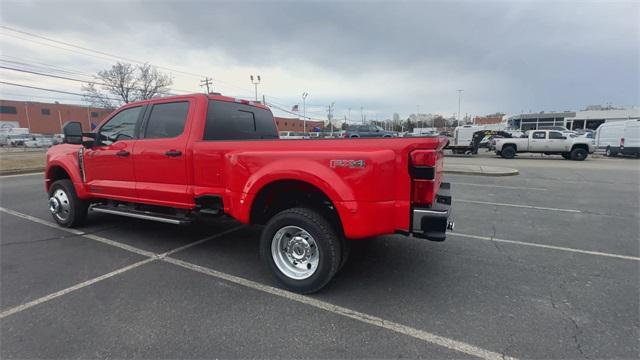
541	265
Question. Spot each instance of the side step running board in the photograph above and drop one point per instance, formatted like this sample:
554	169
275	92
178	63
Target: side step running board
145	215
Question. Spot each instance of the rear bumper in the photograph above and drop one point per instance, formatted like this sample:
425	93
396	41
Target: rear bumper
432	223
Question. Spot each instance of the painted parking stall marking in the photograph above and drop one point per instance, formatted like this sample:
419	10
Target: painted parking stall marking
335	309
346	312
543	246
499	186
517	205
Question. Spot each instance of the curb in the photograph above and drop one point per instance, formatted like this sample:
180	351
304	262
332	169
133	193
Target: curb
34	170
478	170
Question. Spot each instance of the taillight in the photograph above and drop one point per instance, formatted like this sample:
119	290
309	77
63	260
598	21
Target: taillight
423	192
424	168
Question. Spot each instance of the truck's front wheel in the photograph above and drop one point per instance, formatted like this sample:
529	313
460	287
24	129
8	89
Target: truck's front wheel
301	249
579	154
66	208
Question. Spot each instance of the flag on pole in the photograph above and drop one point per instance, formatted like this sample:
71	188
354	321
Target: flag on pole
295	108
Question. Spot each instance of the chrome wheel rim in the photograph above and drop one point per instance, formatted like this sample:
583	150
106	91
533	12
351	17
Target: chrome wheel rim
59	205
295	252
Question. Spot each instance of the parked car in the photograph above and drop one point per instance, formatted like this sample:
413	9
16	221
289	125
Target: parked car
173	158
37	140
367	131
619	137
293	135
545	141
16	139
58	139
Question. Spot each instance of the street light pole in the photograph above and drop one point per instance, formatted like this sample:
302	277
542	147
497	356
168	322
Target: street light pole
304	111
255	83
459	102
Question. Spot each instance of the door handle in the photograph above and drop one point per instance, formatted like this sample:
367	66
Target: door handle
173	153
122	153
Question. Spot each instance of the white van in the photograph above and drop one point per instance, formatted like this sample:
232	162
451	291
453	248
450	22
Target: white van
619	137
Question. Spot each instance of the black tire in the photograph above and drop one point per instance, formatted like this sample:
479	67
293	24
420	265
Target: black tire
354	136
73	211
579	154
508	152
329	246
566	155
609	152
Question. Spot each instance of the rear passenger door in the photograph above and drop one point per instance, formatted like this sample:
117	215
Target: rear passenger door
160	159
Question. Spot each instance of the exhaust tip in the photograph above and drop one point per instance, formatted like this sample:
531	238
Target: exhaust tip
451	225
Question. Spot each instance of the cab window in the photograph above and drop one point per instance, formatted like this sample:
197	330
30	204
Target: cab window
233	121
166	120
120	127
555	135
539	135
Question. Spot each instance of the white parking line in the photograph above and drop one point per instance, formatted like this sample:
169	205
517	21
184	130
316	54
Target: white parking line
346	312
499	186
552	247
79	286
335	309
517	205
78	232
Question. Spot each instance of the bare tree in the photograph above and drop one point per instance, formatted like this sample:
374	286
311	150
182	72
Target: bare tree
124	83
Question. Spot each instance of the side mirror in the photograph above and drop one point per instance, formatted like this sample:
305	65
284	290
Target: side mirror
72	131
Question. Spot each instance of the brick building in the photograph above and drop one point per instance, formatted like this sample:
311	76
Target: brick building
489	119
47	118
293	124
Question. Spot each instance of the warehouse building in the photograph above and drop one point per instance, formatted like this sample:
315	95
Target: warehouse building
47	118
592	118
538	120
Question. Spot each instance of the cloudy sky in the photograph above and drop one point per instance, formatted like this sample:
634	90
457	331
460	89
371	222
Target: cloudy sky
385	57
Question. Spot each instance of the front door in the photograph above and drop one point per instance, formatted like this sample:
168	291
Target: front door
108	164
160	155
556	142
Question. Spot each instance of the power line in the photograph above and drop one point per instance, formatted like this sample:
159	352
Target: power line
95	51
112	56
72	79
109	55
53	90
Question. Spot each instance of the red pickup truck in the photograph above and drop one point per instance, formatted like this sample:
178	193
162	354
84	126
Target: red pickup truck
174	158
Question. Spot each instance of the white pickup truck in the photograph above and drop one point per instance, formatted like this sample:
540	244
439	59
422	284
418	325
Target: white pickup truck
548	142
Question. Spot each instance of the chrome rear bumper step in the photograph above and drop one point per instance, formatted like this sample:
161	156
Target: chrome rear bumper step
145	215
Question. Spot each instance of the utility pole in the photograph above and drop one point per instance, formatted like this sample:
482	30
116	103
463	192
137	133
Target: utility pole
206	82
330	116
459	101
255	83
349	121
362	114
304	111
